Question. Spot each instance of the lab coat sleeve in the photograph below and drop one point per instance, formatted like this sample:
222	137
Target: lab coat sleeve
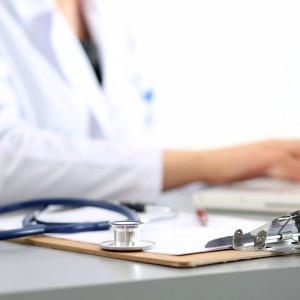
37	163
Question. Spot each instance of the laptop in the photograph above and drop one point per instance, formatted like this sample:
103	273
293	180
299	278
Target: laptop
265	195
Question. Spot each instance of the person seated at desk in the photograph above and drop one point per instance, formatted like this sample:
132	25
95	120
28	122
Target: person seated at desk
73	113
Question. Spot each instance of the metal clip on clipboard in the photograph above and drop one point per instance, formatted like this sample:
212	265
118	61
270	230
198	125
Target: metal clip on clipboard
281	235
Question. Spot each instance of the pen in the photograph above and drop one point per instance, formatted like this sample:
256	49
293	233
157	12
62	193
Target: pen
202	214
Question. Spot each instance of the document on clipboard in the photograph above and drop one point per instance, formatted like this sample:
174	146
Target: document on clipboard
181	235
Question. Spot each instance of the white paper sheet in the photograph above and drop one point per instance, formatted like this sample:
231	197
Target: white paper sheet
181	235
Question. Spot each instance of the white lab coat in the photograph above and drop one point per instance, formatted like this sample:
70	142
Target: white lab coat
61	133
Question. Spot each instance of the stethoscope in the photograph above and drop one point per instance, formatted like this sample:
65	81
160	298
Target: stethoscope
126	232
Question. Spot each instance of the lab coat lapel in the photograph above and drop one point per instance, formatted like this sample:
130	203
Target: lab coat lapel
78	71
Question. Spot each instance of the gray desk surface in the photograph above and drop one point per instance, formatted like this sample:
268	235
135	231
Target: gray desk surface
28	272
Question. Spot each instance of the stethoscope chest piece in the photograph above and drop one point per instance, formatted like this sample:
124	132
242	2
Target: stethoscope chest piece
126	237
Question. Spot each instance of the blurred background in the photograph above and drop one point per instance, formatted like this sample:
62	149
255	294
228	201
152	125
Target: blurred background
225	71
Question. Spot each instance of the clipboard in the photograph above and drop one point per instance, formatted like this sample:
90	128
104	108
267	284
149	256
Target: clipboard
280	235
177	261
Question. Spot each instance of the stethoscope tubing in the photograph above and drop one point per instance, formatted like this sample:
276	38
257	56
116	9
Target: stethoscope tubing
29	229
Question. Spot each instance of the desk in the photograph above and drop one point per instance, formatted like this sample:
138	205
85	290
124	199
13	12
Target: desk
31	273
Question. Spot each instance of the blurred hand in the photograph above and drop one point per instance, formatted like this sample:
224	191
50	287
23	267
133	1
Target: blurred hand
275	158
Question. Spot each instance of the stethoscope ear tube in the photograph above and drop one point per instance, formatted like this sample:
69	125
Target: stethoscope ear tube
22	232
71	202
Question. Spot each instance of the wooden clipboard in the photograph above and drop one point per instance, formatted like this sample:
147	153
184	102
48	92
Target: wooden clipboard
178	261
